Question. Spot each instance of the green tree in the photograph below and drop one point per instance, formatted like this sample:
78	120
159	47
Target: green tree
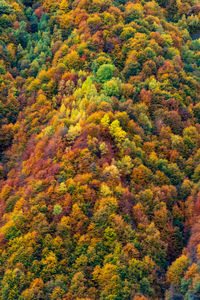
105	72
5	8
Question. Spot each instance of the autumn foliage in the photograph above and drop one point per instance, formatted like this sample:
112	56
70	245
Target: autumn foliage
99	149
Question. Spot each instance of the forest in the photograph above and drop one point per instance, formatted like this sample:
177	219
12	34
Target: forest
99	149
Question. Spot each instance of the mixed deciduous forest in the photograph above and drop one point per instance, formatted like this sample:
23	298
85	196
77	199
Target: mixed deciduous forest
99	149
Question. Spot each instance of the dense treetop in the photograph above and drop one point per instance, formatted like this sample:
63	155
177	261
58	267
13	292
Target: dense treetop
99	149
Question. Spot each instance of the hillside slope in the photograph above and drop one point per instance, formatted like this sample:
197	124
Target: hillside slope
99	149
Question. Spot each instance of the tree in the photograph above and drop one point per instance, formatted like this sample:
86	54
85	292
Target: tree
57	209
112	88
36	290
5	8
73	132
72	60
14	281
108	280
111	174
125	165
190	137
136	271
177	269
78	288
105	72
133	11
117	132
49	266
110	236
